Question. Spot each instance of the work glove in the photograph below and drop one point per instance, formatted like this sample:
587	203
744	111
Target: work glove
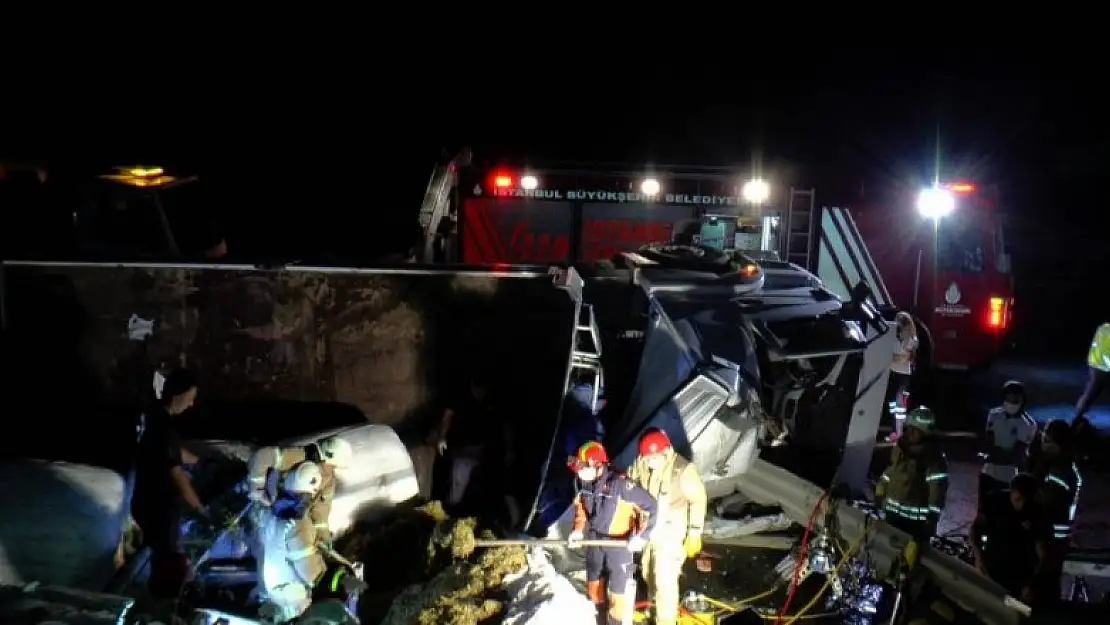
636	544
575	539
353	585
692	544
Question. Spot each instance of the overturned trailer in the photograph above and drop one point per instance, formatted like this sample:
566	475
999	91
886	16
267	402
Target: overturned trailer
393	344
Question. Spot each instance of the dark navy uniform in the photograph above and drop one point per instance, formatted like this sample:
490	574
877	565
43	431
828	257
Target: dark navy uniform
612	507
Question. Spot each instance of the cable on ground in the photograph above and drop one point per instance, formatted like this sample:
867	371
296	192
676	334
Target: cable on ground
802	553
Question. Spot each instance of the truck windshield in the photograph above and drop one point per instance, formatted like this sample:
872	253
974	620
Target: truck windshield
960	242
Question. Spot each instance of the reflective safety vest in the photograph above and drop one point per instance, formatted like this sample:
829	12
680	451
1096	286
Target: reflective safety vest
1099	356
915	485
1059	495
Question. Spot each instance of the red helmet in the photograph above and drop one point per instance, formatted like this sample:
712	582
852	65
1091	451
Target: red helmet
654	441
591	454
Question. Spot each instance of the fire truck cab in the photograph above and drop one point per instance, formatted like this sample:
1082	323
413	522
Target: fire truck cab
939	254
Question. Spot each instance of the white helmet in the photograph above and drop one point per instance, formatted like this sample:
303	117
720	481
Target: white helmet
305	479
335	451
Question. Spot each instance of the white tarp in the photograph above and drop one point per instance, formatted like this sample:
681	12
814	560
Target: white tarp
539	595
62	523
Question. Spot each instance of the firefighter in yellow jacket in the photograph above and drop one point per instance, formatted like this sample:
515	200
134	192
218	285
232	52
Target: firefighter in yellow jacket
292	569
912	490
1098	366
269	464
680	493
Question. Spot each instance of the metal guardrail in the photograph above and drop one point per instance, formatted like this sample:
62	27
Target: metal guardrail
883	544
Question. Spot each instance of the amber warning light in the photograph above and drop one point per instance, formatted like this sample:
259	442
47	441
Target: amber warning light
140	176
996	314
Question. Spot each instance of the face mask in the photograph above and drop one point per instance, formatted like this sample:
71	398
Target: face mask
655	462
587	474
1011	408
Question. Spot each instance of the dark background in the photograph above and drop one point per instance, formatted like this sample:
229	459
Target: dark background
326	160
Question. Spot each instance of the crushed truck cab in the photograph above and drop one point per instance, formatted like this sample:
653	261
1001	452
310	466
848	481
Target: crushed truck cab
733	356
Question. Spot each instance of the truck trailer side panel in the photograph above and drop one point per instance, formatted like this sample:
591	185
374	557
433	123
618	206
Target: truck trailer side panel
396	344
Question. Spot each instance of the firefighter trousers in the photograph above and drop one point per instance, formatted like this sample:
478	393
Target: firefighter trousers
921	531
662	566
615	564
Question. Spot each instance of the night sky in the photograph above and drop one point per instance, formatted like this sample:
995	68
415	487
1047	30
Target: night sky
357	148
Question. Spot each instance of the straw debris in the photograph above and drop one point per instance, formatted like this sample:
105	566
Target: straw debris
424	568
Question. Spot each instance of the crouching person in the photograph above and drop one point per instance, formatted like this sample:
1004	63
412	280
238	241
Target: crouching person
609	507
681	499
268	466
292	569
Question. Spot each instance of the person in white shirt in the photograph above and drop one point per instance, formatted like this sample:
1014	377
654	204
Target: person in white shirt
1008	433
901	371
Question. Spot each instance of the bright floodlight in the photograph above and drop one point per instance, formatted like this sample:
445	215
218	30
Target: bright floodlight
528	182
935	202
650	186
755	191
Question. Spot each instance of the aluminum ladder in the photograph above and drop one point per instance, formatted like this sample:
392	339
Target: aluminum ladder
436	205
799	227
587	351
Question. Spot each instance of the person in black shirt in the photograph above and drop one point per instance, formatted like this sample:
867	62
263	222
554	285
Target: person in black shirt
468	437
1010	536
161	483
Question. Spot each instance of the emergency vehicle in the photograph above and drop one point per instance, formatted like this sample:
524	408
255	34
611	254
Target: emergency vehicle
940	255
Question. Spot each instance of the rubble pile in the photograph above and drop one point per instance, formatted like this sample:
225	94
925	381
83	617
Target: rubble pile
423	568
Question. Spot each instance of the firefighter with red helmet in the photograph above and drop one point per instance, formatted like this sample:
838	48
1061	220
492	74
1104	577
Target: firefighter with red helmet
678	488
609	506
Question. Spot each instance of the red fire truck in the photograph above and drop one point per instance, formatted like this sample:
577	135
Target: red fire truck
939	253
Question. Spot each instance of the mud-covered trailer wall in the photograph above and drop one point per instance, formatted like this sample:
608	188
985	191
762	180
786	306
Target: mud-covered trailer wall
396	344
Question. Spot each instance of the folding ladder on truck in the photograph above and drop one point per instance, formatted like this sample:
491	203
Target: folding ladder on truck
436	206
826	241
798	242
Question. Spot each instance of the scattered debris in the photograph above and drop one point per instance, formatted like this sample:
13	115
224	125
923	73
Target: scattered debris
422	568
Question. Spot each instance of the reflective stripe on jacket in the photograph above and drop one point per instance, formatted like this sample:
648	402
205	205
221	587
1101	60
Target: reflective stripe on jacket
613	506
678	491
1059	495
1099	356
319	510
915	485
